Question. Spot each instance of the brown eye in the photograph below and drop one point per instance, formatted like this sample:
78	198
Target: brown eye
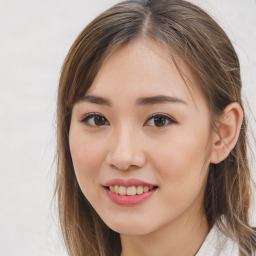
160	121
94	120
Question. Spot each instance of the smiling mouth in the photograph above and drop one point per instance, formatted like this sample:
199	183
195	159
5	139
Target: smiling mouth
130	191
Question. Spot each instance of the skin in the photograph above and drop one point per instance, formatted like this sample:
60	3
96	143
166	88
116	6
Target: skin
176	156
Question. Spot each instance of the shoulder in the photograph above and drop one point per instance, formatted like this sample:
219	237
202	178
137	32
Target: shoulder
217	244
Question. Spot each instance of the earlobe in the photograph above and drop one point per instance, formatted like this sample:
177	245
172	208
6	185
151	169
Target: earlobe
229	126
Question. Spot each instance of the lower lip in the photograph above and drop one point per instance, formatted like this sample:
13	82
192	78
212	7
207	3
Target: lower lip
129	200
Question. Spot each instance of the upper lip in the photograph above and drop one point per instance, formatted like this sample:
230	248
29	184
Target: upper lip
128	183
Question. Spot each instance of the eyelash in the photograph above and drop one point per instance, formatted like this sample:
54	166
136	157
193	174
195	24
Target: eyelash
167	119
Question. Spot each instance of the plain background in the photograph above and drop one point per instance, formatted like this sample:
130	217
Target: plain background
34	39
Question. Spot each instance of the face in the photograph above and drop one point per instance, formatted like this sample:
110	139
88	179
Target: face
141	133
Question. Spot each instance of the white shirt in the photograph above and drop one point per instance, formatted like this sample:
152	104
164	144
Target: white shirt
217	244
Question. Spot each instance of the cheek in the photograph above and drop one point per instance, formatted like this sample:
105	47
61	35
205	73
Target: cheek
181	155
87	159
182	166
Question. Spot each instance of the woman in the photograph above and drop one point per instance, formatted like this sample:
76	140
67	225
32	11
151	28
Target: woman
152	136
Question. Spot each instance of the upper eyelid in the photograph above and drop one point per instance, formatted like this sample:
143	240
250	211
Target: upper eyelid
162	114
91	114
84	118
152	115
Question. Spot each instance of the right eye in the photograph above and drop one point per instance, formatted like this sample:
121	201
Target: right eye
94	119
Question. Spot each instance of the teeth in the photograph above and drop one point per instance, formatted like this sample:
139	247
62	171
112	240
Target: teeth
145	189
129	191
122	191
139	190
116	189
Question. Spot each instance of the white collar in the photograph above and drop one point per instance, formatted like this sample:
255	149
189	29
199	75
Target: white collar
217	244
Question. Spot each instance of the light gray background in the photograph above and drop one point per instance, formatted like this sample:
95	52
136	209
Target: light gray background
34	39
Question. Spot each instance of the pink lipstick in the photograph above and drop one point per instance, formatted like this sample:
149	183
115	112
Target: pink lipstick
119	194
128	183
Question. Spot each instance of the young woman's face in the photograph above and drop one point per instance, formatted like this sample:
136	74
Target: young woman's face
138	126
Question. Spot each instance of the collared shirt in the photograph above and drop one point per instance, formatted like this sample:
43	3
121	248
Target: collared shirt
217	244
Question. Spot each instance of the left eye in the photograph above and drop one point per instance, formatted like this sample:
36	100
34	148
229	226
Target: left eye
95	120
160	121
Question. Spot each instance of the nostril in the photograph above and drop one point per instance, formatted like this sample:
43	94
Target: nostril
125	158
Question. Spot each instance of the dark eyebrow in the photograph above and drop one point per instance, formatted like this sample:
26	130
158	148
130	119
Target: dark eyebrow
140	101
96	100
159	99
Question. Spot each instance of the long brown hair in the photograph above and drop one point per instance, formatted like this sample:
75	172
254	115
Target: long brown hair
192	35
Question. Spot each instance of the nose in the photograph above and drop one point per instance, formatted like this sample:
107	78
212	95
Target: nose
125	150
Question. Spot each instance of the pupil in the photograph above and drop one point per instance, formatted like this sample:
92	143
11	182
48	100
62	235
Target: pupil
159	121
99	120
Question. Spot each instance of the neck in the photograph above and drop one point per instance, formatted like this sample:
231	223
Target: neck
182	237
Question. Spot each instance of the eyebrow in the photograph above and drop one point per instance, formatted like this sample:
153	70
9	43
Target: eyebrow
159	99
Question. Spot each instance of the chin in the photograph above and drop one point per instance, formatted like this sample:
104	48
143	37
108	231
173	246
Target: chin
131	230
130	227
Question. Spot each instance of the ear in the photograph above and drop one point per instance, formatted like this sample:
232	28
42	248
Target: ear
225	139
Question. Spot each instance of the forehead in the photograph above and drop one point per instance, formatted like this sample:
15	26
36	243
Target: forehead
144	68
